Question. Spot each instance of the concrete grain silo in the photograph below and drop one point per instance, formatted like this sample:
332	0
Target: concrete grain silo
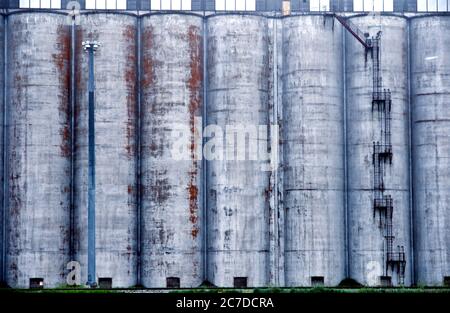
238	189
116	152
430	91
313	151
171	169
378	216
193	183
39	149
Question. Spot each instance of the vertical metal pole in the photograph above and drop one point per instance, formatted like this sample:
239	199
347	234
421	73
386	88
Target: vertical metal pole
204	161
91	174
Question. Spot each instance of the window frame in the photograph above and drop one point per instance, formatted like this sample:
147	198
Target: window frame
249	6
423	6
185	5
318	4
52	4
370	5
104	5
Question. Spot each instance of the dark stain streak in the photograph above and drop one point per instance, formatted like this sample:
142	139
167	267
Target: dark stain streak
62	61
130	79
194	85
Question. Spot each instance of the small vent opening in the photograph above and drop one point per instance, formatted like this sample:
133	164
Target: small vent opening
105	282
173	282
317	281
385	281
447	281
240	282
36	283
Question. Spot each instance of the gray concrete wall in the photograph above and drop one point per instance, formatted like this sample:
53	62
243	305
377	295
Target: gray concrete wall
430	82
38	158
366	238
115	139
313	147
172	210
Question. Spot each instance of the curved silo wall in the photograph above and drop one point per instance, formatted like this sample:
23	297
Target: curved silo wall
313	146
171	86
39	153
430	82
238	191
2	80
367	244
115	138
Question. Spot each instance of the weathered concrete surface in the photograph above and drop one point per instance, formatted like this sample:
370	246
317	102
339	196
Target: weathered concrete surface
366	239
313	147
430	82
172	208
2	80
115	138
39	149
238	191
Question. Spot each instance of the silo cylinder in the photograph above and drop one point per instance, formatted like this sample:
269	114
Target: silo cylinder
368	228
38	151
430	82
238	190
115	71
313	151
171	168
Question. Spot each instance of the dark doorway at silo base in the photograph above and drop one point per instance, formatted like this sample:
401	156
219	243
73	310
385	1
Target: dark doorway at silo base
317	281
240	282
173	282
447	281
105	282
36	283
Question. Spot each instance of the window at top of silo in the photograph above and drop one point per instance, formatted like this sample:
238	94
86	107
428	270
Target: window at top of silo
176	4
100	4
319	5
42	4
358	5
442	6
373	5
235	5
106	4
378	5
157	5
421	5
122	4
433	5
388	6
89	4
110	4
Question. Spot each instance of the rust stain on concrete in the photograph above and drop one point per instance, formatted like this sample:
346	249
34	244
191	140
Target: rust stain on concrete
130	80
194	85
